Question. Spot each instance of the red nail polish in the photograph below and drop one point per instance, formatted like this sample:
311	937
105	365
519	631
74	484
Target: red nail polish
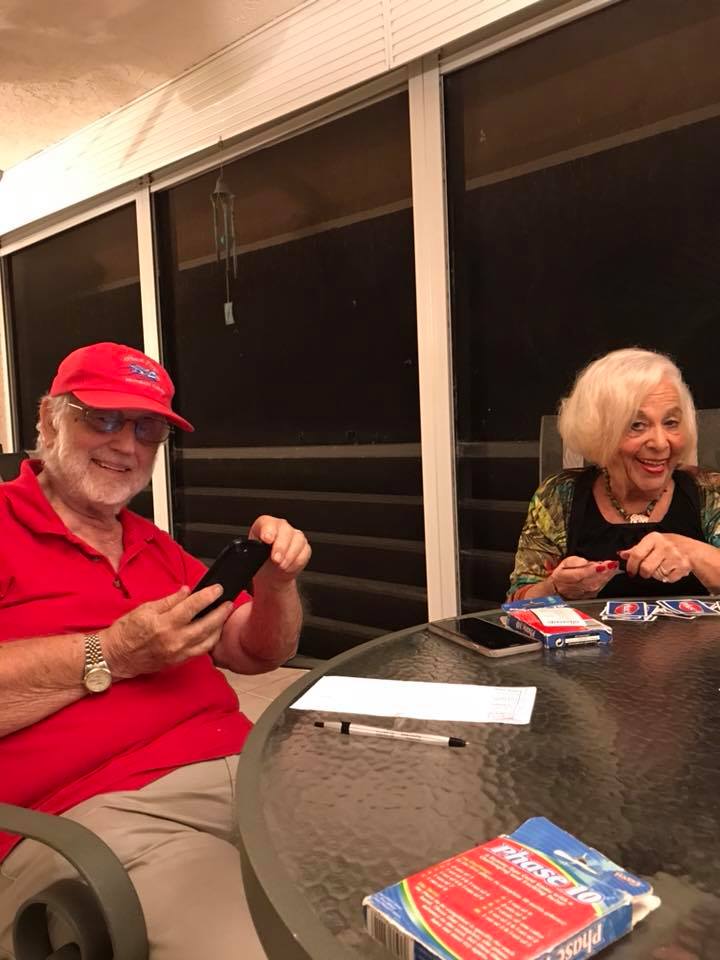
612	564
600	567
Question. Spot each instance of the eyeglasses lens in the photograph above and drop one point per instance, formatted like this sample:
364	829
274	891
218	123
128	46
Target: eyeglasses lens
105	421
151	430
147	429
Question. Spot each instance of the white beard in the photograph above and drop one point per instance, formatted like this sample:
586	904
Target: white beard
72	472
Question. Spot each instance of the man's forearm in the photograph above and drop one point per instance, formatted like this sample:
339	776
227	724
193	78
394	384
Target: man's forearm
267	636
38	677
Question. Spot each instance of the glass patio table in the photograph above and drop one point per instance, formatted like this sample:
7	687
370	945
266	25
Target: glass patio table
622	750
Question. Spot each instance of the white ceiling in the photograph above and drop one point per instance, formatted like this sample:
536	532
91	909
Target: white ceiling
65	64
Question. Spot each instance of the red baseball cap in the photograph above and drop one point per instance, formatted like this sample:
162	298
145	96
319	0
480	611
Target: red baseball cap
111	376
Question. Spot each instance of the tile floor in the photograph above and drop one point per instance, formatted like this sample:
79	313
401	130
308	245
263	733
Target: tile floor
257	691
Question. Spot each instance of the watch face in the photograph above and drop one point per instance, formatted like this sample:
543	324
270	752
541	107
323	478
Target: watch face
98	679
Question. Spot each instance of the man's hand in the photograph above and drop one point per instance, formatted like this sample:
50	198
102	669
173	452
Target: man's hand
662	556
578	579
261	635
290	550
161	633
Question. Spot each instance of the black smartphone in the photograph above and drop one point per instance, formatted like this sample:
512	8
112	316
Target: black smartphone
234	568
489	639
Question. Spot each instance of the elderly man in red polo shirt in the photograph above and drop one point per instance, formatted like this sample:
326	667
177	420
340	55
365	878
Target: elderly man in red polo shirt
113	711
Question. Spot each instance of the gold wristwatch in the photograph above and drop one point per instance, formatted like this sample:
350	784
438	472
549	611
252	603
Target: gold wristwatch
96	675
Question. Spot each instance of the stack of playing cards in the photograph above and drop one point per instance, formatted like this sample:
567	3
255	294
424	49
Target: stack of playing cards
645	611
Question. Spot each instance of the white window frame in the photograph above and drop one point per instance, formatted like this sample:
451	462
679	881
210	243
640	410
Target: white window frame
141	200
7	437
437	429
152	345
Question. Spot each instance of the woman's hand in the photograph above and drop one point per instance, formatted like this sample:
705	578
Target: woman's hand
576	578
662	556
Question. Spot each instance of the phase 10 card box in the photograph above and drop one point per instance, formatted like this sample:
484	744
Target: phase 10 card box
557	626
536	894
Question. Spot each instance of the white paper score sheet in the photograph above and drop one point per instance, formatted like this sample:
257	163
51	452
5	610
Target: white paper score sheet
420	699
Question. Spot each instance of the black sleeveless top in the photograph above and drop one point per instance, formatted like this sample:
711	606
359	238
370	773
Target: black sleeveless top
589	535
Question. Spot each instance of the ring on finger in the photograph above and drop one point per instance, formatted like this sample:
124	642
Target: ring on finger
664	574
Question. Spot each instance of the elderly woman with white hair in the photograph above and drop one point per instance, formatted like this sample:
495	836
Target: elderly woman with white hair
640	521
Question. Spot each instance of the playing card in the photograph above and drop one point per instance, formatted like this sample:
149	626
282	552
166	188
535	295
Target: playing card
691	607
652	611
625	610
668	608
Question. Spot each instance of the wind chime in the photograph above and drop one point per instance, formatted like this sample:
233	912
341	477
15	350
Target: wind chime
222	200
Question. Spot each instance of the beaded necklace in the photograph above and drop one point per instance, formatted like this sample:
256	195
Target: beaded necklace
643	517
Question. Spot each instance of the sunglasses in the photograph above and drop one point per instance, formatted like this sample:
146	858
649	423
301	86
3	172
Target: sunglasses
147	429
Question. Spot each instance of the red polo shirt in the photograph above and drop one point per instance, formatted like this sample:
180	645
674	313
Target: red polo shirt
52	583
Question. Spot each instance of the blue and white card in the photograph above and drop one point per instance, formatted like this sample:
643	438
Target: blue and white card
689	608
629	610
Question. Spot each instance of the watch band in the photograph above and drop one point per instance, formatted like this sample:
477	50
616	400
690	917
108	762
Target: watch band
96	673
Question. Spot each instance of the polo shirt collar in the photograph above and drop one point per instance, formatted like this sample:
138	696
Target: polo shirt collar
33	509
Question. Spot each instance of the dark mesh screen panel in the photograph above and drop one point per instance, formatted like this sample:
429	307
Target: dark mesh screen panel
75	288
306	404
582	170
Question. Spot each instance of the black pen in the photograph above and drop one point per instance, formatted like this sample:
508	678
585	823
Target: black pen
360	729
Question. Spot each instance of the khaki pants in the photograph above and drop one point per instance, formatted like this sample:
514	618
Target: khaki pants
175	838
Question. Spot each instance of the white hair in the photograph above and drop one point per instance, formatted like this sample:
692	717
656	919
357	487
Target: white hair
607	395
56	407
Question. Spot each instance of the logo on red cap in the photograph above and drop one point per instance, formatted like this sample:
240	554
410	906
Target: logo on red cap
143	371
112	375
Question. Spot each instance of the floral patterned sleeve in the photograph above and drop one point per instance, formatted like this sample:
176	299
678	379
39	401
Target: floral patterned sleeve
709	488
543	540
